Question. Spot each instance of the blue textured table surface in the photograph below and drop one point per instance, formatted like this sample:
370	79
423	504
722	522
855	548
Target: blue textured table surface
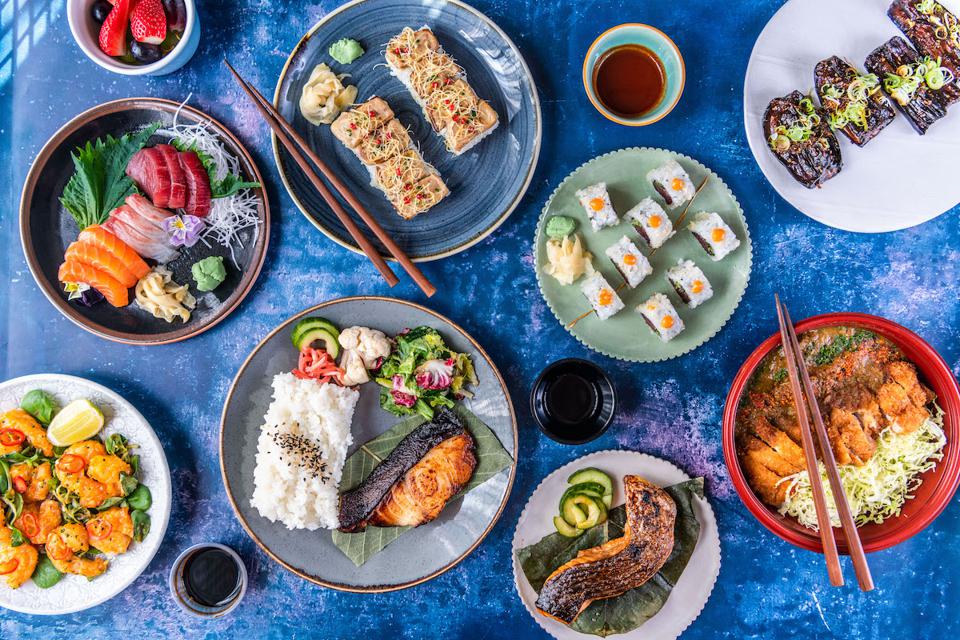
766	587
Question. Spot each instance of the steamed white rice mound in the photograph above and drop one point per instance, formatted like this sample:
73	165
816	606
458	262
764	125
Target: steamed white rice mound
300	453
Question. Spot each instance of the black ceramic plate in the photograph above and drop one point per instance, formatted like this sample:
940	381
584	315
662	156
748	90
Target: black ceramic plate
46	228
486	183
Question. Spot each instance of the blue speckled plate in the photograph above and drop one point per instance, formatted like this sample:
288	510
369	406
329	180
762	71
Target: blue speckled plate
486	183
626	335
418	555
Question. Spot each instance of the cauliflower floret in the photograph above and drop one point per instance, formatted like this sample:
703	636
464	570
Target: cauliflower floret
370	344
354	371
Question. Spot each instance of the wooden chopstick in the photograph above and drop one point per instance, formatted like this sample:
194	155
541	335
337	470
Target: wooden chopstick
850	533
827	540
297	146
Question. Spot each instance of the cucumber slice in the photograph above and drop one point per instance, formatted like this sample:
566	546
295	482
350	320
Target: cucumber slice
593	475
603	510
308	324
607	500
593	511
573	514
565	529
591	489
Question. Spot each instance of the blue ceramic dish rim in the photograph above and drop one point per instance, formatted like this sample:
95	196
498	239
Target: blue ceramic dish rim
180	599
538	383
588	68
515	202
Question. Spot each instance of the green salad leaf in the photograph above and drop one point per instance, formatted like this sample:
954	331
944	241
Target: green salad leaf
629	610
100	183
40	405
141	524
45	575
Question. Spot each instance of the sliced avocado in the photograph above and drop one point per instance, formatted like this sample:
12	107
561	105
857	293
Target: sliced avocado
593	475
565	529
308	324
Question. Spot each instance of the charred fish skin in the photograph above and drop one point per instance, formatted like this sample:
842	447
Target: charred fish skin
835	75
357	505
935	32
811	161
620	564
925	106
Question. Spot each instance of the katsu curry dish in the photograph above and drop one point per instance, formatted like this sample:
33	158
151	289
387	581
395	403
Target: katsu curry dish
883	423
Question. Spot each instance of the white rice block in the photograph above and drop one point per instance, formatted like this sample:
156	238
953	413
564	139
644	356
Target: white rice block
628	260
651	222
690	283
717	239
660	315
672	183
596	202
601	296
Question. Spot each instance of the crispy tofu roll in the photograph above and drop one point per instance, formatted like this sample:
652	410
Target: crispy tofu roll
422	195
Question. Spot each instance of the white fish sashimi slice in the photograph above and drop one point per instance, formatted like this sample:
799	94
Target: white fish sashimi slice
149	242
146	210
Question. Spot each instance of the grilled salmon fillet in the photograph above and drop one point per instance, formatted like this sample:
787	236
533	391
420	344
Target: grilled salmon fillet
620	564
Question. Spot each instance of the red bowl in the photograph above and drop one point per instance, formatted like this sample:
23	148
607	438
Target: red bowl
939	484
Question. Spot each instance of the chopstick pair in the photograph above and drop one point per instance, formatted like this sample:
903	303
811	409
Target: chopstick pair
294	143
806	404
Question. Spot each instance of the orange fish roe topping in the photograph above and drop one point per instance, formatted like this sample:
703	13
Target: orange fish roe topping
718	234
667	322
605	298
596	204
630	259
697	286
676	184
654	221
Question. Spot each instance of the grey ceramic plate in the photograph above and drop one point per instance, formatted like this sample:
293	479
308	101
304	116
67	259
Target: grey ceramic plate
486	183
421	553
46	228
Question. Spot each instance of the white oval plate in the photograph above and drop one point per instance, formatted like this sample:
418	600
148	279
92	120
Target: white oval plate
691	592
75	593
900	179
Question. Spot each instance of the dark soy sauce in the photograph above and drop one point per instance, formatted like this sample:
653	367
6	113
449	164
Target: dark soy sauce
211	577
629	80
571	399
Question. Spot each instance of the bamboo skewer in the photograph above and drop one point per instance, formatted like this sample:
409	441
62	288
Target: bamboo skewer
297	147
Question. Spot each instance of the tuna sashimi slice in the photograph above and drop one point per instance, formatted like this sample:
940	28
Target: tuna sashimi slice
198	184
99	258
178	179
148	169
104	239
75	271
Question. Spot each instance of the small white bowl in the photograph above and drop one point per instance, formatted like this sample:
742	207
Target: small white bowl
86	32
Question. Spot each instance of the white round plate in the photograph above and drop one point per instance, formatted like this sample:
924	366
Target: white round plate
900	179
691	592
75	593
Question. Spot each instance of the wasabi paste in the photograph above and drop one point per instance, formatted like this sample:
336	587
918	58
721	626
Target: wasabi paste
209	273
345	50
558	227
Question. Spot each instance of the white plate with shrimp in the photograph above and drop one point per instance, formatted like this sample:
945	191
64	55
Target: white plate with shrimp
73	592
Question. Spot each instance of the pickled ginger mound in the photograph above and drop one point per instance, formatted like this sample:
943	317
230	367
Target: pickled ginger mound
300	452
324	96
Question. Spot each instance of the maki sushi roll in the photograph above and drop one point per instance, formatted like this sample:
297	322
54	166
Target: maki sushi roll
672	183
601	296
628	260
651	222
713	234
661	317
596	202
690	283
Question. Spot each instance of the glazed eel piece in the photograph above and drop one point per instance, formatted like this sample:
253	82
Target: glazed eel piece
923	106
855	104
798	134
935	32
620	564
416	480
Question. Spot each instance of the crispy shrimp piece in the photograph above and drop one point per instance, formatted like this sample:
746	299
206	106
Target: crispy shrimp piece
111	531
20	420
16	563
35	480
36	521
106	470
63	547
73	475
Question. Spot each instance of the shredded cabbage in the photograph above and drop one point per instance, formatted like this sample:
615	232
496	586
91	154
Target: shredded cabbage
878	489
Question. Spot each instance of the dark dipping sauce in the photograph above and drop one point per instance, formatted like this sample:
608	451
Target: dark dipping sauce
211	577
629	80
573	401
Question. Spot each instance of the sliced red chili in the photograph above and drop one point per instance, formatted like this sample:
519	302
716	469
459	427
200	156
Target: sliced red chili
59	551
9	566
98	529
20	484
71	463
29	525
11	437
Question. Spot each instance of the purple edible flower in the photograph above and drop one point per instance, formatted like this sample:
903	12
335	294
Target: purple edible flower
184	230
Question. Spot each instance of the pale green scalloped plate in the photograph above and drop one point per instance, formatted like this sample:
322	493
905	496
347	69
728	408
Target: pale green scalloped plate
626	336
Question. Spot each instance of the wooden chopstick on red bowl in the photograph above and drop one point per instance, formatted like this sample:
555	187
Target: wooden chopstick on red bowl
849	526
294	143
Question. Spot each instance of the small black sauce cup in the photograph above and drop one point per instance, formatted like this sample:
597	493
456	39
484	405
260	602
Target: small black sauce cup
573	401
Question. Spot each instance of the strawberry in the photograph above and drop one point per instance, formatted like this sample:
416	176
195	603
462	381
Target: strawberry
113	31
148	22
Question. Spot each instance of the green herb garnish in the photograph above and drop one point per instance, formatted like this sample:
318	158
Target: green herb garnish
840	345
45	575
40	405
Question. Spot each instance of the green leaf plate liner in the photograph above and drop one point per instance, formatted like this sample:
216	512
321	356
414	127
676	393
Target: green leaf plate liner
631	609
626	336
492	458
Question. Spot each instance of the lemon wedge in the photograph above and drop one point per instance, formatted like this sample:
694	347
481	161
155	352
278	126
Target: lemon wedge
77	421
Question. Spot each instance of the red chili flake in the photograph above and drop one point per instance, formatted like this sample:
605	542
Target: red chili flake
353	125
398	172
389	135
372	113
406	200
378	142
433	85
407	187
419	196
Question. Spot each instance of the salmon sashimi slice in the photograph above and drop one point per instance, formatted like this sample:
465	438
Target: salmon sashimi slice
102	238
94	256
76	271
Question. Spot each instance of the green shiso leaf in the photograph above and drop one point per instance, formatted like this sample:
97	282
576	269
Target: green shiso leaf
631	609
492	458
